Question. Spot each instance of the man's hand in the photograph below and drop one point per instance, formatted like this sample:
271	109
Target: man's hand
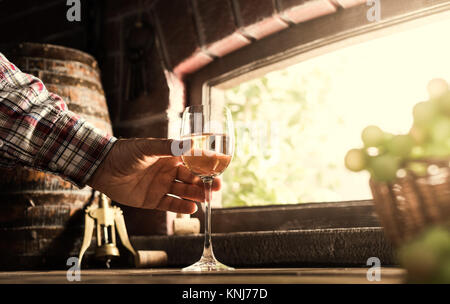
141	172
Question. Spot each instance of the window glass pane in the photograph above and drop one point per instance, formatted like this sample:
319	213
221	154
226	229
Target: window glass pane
295	125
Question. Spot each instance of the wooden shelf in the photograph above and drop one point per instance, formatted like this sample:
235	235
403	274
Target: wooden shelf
389	275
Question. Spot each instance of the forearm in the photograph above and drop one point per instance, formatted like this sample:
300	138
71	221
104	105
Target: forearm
38	131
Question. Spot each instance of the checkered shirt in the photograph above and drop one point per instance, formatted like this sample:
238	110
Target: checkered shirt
38	131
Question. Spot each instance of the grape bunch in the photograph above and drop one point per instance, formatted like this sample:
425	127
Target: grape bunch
384	153
427	257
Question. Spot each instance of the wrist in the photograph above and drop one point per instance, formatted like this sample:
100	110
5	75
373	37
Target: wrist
97	176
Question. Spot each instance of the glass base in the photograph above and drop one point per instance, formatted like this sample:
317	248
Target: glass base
207	264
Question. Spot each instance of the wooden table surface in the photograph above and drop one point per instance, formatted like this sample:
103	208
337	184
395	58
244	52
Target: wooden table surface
389	275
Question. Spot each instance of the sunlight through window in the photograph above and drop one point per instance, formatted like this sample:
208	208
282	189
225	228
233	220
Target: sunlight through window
294	126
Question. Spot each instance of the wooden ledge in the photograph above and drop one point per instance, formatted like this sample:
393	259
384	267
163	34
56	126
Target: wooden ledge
389	275
289	248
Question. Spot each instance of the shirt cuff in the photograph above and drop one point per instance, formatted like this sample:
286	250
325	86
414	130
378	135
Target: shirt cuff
74	149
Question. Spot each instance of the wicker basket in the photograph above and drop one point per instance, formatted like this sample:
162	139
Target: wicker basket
411	203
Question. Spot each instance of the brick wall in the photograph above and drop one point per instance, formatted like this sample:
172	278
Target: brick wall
196	32
186	35
190	34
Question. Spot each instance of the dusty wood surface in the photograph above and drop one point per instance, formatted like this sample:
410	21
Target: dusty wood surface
348	214
389	275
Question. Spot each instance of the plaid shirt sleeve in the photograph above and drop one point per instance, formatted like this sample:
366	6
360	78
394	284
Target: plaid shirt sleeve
37	130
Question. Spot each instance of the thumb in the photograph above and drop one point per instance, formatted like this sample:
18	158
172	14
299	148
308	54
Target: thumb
165	147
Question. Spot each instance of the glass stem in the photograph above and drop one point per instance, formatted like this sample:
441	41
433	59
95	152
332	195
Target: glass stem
207	250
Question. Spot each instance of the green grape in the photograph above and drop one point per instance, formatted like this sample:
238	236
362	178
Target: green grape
432	249
437	239
356	160
420	169
440	130
417	152
384	167
400	145
418	134
372	136
424	112
420	263
443	276
387	136
435	150
443	102
436	87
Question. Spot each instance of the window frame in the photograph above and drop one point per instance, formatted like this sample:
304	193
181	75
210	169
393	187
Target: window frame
307	40
297	43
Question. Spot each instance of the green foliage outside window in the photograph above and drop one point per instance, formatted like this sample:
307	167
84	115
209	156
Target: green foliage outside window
271	114
318	108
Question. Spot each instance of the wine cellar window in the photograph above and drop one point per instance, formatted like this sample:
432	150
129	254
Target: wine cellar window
294	125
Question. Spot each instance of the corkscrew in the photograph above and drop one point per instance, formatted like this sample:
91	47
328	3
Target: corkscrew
106	219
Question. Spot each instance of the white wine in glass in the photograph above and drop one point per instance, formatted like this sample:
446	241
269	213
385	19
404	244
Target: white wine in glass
212	138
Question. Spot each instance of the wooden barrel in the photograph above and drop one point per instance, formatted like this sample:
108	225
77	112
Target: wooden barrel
41	220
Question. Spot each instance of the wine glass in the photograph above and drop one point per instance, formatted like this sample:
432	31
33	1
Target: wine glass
211	131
